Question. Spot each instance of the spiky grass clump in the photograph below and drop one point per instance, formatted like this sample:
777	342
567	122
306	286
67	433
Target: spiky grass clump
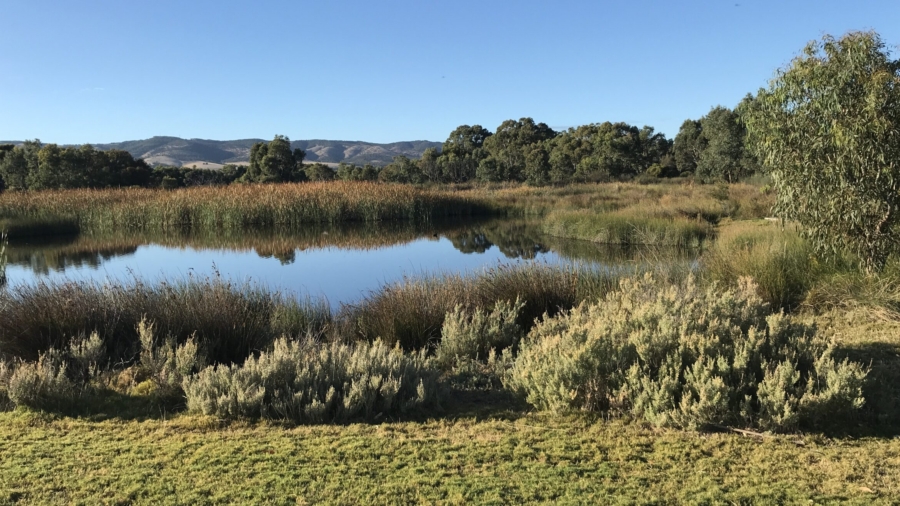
627	227
412	312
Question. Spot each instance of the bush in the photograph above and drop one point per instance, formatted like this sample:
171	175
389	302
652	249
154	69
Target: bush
42	384
166	363
473	335
682	356
56	380
307	381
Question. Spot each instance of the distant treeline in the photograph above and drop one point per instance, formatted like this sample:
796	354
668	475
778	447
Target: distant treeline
710	148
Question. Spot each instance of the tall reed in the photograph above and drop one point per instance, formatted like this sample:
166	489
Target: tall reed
237	206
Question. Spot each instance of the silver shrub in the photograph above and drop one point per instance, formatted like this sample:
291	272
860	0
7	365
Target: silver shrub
165	362
685	356
311	382
472	335
43	384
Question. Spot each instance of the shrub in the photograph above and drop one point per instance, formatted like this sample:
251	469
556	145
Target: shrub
166	363
307	381
683	356
55	380
473	335
42	384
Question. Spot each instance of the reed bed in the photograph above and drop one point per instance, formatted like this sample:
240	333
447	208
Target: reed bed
237	206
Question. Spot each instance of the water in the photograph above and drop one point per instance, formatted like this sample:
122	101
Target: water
340	263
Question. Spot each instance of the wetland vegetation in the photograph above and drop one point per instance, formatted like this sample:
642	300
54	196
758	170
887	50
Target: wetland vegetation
763	368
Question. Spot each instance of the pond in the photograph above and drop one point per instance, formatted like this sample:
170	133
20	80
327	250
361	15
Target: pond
339	262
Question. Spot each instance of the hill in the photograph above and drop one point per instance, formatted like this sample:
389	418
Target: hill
177	151
162	150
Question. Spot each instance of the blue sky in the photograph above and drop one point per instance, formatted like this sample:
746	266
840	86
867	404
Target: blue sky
386	70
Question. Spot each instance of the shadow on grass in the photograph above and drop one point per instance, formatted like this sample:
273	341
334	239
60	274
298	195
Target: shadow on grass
880	416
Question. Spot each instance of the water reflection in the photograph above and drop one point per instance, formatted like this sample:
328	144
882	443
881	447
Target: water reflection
339	262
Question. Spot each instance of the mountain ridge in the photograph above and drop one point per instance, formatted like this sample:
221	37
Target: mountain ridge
177	151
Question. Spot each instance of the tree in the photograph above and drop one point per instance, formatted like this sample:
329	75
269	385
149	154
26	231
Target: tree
722	157
462	152
689	144
828	130
275	162
509	145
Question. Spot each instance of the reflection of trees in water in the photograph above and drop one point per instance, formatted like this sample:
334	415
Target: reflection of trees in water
514	238
42	258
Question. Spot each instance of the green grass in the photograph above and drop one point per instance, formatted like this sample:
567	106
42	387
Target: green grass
506	459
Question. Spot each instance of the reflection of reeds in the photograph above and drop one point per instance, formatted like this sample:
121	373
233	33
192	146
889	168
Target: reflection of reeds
236	206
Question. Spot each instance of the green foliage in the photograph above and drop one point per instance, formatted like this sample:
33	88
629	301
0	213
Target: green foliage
781	263
36	166
722	157
275	162
473	335
510	144
312	382
827	130
684	356
688	145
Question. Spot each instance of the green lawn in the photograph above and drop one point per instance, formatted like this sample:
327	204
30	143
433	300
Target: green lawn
511	458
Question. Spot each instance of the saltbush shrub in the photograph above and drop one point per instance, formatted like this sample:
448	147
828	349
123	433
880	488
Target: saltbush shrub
472	335
166	363
685	356
311	382
56	380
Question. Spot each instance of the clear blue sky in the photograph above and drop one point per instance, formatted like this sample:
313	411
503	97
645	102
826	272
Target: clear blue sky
389	70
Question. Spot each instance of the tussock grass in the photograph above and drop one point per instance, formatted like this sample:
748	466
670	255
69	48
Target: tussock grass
412	311
628	228
777	258
231	320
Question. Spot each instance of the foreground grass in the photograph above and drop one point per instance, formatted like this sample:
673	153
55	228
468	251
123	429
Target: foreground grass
511	459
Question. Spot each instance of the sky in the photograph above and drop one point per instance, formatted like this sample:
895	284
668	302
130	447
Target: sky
388	70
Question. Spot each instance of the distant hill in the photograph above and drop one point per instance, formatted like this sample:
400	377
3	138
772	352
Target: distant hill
177	151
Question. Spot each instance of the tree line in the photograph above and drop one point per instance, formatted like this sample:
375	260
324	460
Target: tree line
710	148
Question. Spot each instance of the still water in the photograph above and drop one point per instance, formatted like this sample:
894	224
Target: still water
340	263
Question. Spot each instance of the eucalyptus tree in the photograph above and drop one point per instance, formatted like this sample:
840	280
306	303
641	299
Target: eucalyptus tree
828	130
274	161
510	144
462	152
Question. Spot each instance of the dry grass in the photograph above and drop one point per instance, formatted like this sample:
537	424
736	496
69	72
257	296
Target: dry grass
236	206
